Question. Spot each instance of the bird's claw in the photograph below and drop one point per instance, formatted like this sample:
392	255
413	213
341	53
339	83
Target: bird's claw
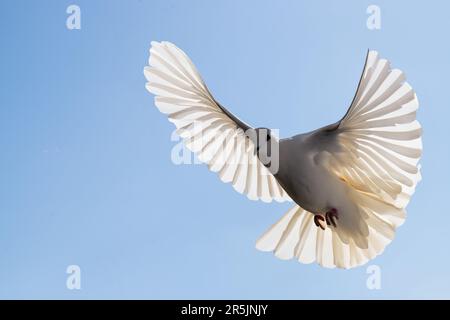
330	217
318	220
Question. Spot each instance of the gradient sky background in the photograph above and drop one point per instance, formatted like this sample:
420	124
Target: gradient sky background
86	176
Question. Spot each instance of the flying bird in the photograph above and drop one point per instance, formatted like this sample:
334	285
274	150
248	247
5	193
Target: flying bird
350	181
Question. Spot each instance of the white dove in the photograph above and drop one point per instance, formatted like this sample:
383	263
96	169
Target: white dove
350	181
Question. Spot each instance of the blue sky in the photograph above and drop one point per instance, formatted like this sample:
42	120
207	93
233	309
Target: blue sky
85	167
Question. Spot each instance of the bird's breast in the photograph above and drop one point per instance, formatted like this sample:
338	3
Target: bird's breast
302	177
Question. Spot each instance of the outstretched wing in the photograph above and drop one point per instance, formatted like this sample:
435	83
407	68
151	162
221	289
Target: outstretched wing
207	128
380	135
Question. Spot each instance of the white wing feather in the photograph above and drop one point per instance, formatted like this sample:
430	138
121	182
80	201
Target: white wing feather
381	136
205	128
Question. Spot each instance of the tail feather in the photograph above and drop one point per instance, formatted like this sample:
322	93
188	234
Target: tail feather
296	236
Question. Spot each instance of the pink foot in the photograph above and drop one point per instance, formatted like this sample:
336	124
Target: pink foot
330	217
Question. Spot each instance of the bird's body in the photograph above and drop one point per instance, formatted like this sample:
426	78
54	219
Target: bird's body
350	181
302	173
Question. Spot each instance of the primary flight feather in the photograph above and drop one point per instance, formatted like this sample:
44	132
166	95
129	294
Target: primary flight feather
350	181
